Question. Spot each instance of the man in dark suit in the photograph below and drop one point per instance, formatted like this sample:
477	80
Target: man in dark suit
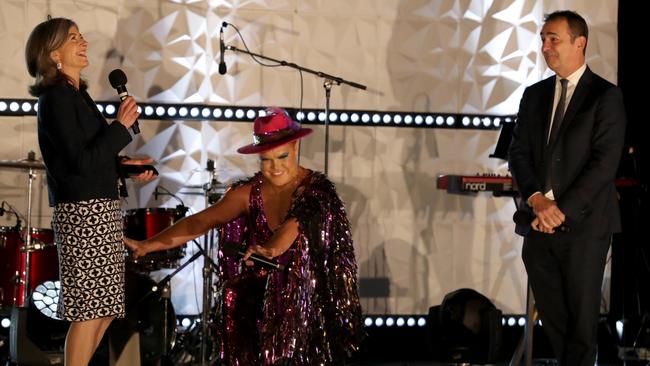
563	156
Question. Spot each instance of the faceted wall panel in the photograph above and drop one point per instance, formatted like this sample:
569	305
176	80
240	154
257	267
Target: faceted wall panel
413	55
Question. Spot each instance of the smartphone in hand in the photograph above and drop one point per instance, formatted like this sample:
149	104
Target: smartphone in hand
131	170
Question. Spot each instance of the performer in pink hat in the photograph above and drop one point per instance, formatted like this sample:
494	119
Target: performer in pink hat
272	130
309	312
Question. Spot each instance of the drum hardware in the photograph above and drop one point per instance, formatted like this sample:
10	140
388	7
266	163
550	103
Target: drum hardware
166	192
26	259
37	246
159	337
26	164
202	337
150	221
209	267
163	290
9	209
44	264
143	223
16	281
149	316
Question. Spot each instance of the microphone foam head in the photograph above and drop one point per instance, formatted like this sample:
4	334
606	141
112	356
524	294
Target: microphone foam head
117	78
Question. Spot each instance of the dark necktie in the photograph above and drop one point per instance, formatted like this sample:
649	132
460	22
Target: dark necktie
559	112
555	127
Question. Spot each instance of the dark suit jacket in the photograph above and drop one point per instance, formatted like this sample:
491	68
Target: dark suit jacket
583	158
79	147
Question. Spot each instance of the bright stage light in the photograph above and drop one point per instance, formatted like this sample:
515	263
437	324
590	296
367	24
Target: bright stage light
46	298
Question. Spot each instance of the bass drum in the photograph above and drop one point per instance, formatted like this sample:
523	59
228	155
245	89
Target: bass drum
44	263
151	314
9	272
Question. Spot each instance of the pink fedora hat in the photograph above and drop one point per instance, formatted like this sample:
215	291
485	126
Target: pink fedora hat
272	130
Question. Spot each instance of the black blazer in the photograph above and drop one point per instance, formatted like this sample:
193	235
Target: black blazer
583	158
79	147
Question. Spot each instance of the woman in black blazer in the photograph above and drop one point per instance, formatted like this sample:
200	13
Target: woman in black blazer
80	150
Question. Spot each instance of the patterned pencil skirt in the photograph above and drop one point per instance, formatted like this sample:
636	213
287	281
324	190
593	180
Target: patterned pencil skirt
88	235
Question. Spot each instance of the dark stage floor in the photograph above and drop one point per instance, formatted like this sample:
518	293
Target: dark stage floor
383	346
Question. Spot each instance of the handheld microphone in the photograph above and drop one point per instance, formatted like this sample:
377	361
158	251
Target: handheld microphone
117	78
521	217
233	250
222	50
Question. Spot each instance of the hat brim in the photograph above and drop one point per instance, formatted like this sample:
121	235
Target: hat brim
254	149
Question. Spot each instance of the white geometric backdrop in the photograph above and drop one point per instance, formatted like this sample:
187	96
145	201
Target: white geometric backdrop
429	56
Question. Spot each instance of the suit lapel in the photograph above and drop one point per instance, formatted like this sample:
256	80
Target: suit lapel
547	108
578	97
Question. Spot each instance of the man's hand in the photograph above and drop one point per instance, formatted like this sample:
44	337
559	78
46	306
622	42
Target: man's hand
548	215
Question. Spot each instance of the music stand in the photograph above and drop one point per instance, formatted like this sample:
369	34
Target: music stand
503	143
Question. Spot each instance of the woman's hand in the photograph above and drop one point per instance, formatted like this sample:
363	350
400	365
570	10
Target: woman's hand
139	248
128	113
142	177
259	250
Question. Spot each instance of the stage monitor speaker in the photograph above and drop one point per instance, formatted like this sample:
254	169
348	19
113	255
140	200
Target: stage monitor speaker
465	327
128	355
30	338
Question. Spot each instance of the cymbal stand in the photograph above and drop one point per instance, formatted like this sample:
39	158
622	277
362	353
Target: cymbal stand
28	240
208	265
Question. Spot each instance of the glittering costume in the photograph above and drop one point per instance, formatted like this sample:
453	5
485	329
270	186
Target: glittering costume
309	313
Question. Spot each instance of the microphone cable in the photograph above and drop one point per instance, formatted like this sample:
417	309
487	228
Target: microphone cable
262	63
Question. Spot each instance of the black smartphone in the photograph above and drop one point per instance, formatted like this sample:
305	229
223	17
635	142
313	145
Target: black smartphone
137	169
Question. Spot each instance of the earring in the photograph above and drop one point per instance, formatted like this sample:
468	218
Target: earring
59	66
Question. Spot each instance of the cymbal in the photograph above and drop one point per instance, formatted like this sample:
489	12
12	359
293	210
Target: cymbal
22	164
202	186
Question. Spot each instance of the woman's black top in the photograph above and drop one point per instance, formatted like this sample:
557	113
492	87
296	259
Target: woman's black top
78	145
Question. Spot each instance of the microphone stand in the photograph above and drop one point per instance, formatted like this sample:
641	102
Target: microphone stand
330	80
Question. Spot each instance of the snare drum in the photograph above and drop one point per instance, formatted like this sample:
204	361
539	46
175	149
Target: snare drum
143	223
44	263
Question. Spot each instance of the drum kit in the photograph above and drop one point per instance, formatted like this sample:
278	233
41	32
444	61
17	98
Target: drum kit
30	253
30	260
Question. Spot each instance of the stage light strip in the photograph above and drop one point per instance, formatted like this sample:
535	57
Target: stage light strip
418	320
205	112
390	320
